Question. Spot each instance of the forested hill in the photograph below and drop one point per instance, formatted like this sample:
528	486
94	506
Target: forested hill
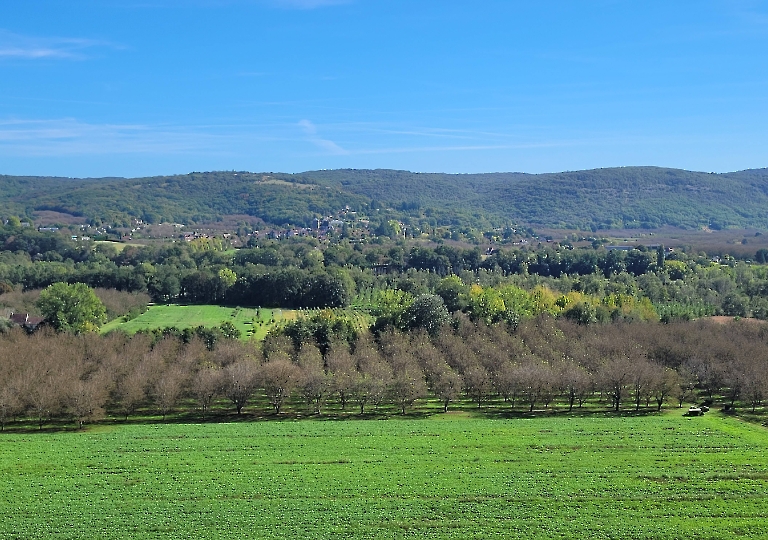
187	198
600	198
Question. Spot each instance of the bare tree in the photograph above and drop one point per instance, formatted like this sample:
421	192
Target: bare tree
686	386
641	380
575	381
665	381
10	405
40	381
316	384
279	376
228	352
446	385
168	387
372	380
407	386
755	381
505	382
341	367
532	379
86	399
132	388
205	386
477	382
10	372
614	376
735	378
239	382
709	373
407	383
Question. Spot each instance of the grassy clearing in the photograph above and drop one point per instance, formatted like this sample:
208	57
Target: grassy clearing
452	476
252	323
119	246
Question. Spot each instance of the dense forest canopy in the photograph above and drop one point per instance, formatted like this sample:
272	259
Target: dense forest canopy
627	197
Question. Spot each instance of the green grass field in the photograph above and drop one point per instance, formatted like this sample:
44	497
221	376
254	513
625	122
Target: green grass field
119	246
245	319
450	476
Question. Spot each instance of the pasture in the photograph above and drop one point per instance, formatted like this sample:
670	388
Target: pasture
253	323
119	246
447	476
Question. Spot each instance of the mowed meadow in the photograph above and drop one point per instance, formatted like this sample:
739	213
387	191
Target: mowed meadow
253	323
446	476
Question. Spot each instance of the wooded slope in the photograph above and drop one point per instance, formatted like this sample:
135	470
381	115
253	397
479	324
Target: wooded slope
601	198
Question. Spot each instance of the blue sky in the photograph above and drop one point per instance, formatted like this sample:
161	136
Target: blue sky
144	87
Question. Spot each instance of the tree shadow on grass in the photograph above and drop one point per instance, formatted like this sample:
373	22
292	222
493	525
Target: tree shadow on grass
564	413
256	414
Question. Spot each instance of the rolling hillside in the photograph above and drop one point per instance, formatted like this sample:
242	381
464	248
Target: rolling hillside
602	198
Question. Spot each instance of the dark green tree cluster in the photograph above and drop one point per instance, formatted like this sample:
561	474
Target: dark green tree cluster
305	273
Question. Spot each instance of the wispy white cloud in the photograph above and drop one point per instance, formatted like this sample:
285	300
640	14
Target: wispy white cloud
33	48
213	4
466	148
310	130
62	137
308	4
69	137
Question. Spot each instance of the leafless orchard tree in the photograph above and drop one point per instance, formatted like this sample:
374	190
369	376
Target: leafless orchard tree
614	377
407	385
666	381
81	378
477	382
279	377
575	381
205	385
86	400
506	382
239	381
316	384
446	384
372	378
341	367
168	387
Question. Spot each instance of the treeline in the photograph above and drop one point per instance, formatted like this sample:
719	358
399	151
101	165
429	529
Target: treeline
542	363
307	273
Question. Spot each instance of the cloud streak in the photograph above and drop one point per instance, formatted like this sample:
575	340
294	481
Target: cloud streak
310	130
16	46
308	4
70	137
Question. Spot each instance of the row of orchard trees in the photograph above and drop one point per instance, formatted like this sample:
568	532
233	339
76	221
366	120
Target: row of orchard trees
542	362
